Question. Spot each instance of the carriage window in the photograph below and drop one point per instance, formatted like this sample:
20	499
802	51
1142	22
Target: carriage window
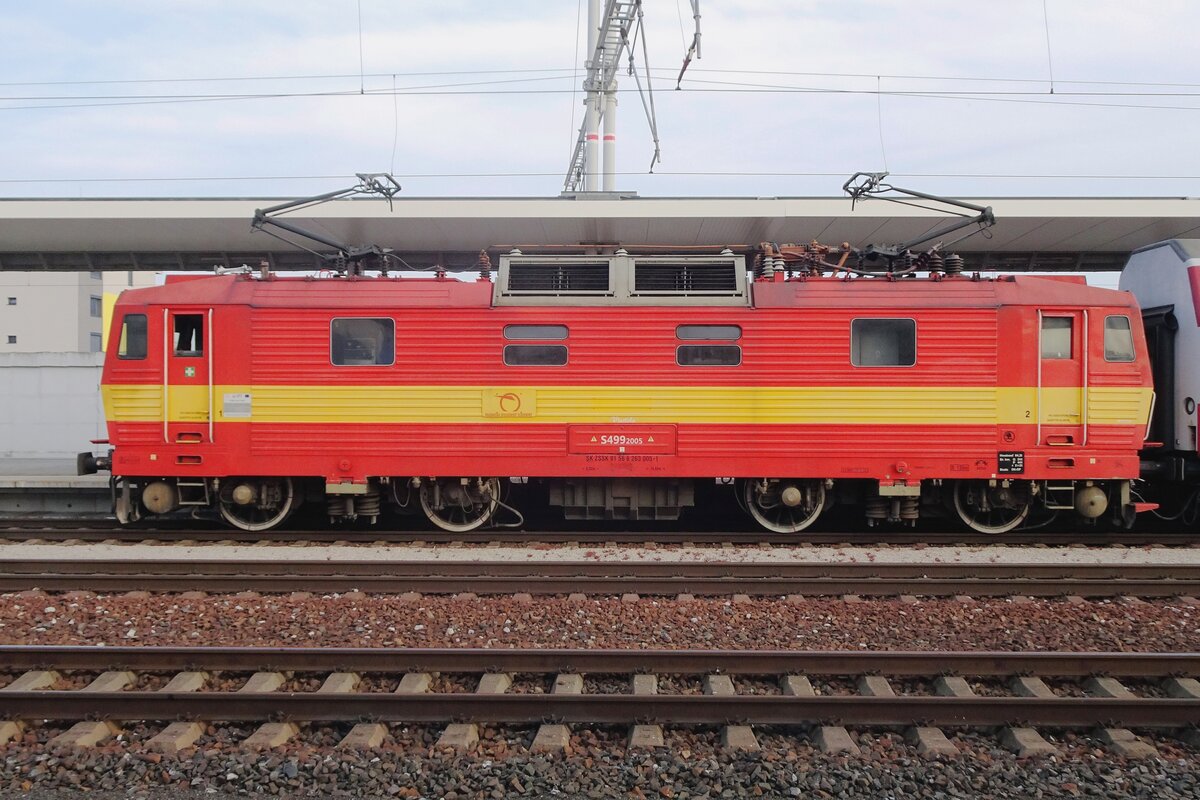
708	355
715	332
1118	339
189	335
535	331
535	355
883	342
1056	337
362	342
133	337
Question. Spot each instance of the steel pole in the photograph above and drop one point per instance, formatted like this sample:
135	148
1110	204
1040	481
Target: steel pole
591	154
610	137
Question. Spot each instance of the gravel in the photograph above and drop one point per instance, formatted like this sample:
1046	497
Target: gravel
532	683
745	684
680	684
356	620
607	684
798	551
447	682
372	682
692	766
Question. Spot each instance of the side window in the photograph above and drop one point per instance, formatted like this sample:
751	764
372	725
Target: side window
710	332
535	355
189	335
133	337
535	331
1056	337
1118	339
708	355
883	342
362	342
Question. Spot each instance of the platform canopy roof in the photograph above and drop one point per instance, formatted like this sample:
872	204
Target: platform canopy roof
1054	234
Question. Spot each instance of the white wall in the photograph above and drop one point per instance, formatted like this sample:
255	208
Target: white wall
52	312
50	404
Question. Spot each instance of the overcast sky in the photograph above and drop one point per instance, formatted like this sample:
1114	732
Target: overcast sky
785	101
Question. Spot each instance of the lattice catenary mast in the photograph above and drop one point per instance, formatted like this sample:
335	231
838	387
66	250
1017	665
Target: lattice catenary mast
610	23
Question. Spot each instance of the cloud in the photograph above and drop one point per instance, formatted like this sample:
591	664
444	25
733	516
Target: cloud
701	131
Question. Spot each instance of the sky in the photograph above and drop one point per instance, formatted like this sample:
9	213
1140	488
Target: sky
258	98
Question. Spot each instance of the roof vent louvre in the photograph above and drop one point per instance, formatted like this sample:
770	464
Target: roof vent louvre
621	279
676	277
558	276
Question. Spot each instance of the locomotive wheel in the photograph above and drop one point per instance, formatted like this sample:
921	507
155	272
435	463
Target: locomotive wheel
991	509
785	506
459	508
266	502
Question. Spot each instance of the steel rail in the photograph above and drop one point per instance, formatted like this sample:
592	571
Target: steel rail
594	568
695	662
61	531
610	709
601	577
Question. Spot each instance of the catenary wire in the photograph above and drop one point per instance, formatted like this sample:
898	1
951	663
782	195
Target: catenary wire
44	103
571	70
540	174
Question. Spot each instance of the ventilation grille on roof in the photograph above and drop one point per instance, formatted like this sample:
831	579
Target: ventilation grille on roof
621	279
685	276
558	277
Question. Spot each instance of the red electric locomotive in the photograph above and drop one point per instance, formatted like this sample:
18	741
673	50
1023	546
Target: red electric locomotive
625	383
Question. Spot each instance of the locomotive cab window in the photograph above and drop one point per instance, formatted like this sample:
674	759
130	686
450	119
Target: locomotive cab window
362	342
133	337
708	355
1056	337
1118	339
883	342
535	355
189	335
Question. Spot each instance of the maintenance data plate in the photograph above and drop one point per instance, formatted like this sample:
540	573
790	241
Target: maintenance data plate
618	439
1010	463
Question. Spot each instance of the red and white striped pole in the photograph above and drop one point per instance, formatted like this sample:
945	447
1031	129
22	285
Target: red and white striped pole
610	137
591	158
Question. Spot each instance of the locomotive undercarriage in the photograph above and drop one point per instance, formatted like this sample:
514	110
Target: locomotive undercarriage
780	505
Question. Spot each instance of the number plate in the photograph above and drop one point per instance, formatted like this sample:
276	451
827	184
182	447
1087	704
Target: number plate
605	439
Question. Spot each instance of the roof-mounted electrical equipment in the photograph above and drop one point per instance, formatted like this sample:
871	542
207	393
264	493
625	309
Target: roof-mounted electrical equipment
347	258
898	258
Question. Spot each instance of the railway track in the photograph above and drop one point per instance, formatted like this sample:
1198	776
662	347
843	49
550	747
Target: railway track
94	531
1016	695
603	577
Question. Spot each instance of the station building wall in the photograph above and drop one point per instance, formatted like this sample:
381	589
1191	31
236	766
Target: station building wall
50	404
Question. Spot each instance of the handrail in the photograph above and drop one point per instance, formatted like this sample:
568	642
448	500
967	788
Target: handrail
210	375
166	375
1083	401
1038	440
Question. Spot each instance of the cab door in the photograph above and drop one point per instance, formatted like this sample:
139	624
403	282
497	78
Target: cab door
1062	378
188	386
